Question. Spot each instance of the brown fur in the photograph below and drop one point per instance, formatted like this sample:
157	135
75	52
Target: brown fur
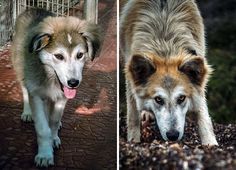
31	23
171	67
163	44
49	54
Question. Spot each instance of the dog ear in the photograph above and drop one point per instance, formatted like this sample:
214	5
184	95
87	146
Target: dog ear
92	37
141	69
195	69
39	41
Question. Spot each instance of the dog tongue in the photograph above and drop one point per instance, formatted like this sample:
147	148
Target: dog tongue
69	93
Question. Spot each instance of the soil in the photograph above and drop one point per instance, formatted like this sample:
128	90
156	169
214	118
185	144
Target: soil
155	153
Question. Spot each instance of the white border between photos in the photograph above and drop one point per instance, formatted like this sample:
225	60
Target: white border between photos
117	63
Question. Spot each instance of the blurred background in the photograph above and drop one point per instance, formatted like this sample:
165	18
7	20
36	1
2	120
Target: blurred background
220	25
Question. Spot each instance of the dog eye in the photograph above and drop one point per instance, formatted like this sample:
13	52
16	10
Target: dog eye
181	99
159	100
80	55
59	56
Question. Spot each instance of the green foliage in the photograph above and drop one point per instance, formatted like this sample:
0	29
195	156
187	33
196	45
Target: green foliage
221	90
221	38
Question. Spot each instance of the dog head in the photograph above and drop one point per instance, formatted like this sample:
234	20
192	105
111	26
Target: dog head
167	88
64	45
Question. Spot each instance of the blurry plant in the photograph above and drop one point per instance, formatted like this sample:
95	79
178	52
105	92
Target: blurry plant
222	86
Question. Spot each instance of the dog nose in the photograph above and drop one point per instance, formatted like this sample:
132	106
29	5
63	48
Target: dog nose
172	135
73	83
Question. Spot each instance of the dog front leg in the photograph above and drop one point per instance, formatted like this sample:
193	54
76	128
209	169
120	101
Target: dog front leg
205	125
133	118
44	138
55	121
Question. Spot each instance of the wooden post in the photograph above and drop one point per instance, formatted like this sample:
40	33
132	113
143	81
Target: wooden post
91	10
14	12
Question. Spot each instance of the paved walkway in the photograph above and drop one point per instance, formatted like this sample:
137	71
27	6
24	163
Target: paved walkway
89	123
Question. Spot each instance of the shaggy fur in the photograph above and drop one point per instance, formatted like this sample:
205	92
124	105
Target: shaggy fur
164	48
48	54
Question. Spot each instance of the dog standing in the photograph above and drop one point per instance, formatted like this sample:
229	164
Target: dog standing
48	54
165	66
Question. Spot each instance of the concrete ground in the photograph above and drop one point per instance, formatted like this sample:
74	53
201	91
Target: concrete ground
88	131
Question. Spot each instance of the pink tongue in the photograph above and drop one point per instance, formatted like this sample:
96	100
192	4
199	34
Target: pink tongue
69	93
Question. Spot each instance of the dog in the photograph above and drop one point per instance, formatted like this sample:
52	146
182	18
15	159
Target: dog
166	70
48	55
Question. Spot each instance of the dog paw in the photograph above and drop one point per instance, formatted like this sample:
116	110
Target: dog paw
56	142
147	117
210	143
26	117
134	135
44	159
135	139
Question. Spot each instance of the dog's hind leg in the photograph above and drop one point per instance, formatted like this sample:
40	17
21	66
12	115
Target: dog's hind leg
26	115
205	125
55	121
133	117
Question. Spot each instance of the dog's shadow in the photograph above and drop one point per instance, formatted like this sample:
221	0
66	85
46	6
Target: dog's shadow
96	94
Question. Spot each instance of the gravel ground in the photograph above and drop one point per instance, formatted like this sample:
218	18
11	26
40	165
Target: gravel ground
154	153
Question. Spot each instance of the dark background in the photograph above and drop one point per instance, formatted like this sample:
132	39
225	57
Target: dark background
220	25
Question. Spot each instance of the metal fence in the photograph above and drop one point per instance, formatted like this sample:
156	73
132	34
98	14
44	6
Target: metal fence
9	10
59	7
